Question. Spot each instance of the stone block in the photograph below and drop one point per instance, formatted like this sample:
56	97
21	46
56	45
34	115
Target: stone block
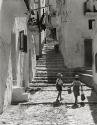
19	95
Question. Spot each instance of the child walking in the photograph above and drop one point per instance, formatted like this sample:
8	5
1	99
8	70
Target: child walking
59	84
76	88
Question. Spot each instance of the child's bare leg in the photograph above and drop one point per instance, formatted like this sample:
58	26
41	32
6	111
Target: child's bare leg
76	100
58	95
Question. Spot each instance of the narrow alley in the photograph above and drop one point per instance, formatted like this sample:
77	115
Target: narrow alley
42	108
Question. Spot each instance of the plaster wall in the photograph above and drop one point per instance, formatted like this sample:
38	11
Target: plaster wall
8	10
73	30
94	62
53	3
24	63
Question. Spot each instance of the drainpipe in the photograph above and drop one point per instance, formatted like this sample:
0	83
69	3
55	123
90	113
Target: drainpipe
40	48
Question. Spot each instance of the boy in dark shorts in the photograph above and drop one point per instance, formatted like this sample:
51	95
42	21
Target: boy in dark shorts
76	88
59	84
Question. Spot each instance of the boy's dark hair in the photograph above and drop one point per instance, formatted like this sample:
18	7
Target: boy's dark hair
59	75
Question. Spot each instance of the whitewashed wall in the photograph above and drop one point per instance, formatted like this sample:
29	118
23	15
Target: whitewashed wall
94	65
75	29
9	9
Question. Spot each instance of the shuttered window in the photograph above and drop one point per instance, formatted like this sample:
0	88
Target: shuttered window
91	22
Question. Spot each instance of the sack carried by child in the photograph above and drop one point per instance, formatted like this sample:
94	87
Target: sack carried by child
82	96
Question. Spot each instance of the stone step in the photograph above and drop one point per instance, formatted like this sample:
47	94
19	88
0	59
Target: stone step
50	66
53	75
51	69
87	79
50	85
51	81
51	59
53	72
52	78
49	63
50	53
46	85
88	72
53	53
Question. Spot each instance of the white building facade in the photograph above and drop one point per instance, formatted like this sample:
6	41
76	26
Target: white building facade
12	60
75	32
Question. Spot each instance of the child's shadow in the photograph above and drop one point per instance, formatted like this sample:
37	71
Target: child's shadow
82	104
75	106
56	104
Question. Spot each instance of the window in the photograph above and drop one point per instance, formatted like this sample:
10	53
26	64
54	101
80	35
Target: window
23	41
91	23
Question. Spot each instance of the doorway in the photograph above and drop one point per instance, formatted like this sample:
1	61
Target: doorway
88	52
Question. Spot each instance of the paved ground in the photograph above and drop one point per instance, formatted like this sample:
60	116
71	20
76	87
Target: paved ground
42	110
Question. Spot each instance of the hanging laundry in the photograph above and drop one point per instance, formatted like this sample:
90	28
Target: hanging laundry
27	4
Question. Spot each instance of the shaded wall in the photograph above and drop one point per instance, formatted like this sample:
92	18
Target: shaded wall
95	62
24	63
36	37
8	10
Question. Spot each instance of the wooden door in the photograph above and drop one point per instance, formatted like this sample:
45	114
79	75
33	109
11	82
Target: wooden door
88	52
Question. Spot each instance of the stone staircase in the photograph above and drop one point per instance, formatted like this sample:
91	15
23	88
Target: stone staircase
86	76
49	65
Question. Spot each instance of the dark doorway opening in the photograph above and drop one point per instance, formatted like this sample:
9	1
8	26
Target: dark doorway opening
88	52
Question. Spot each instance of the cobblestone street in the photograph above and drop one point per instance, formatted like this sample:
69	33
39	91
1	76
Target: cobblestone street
42	110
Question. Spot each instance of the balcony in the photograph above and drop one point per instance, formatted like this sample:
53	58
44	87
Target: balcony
89	11
91	14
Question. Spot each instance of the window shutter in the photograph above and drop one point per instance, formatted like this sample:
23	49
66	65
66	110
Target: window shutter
21	36
23	41
90	24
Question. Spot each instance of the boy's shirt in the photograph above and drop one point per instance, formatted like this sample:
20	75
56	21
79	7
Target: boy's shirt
76	84
59	82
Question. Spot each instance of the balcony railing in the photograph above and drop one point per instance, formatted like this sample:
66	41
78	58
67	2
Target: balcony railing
89	11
